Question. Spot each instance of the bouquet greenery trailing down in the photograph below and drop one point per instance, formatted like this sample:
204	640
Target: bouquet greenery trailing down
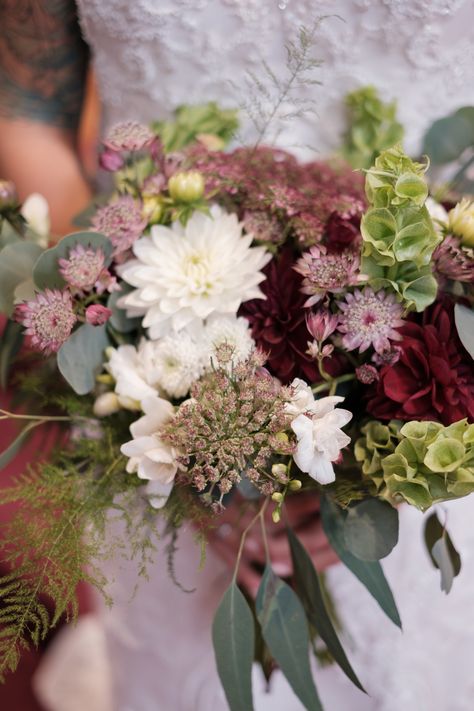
237	321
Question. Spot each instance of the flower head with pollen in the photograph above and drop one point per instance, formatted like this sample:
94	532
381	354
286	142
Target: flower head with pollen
121	221
129	136
369	319
182	275
327	272
48	319
82	267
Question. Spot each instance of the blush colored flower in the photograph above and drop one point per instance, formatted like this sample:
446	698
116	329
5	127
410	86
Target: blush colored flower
452	261
82	267
324	272
263	226
183	275
370	319
97	315
129	136
321	324
177	362
48	319
150	457
111	160
433	378
320	438
121	221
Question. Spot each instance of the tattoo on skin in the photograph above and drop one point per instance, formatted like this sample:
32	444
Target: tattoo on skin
43	62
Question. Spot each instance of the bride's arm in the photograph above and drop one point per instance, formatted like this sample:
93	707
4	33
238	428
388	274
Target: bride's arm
43	64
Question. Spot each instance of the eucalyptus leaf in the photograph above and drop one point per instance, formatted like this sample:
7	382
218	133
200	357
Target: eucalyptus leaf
285	631
371	529
308	587
449	137
12	450
442	552
80	358
464	320
16	265
369	573
233	637
46	273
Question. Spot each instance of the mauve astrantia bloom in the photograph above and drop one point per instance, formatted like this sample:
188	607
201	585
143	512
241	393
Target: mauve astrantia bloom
452	261
121	221
321	324
82	267
369	319
129	136
264	226
324	272
48	319
367	374
97	315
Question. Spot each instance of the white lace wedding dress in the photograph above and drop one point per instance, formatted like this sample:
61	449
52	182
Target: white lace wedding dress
154	653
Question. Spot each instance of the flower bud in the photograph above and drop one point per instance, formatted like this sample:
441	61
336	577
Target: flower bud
35	210
106	404
277	497
279	471
276	516
110	160
105	379
152	209
187	186
7	194
295	485
97	315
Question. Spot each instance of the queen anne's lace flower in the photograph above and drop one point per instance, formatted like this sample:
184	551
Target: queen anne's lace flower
150	457
48	318
233	332
370	319
183	275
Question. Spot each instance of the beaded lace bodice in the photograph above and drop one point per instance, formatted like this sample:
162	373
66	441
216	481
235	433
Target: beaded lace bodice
153	55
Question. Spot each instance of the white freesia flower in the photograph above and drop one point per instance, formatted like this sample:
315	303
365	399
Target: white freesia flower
150	457
183	275
130	368
177	363
232	331
319	434
35	210
302	399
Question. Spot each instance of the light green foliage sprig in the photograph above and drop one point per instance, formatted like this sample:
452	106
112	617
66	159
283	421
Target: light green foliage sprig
421	462
60	535
397	231
373	127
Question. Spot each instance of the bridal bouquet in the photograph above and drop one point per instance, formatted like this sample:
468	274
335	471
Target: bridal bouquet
239	321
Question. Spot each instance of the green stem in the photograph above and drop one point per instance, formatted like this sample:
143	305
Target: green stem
244	536
332	385
5	415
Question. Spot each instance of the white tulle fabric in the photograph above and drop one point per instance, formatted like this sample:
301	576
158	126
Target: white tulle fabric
151	56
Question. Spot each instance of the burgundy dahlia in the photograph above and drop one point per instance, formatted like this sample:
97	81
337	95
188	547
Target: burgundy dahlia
433	378
278	322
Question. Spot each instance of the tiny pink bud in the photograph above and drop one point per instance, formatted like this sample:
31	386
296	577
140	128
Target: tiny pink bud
110	160
97	315
321	324
327	350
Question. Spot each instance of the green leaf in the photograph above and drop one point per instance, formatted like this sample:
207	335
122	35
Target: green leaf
233	638
449	137
80	358
442	552
16	264
370	574
421	292
464	320
285	631
371	529
309	590
10	344
12	450
46	272
412	186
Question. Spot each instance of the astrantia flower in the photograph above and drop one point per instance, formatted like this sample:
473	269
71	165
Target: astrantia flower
121	221
129	136
183	275
461	221
367	374
327	272
452	261
233	332
320	437
177	362
263	226
433	378
150	457
369	319
82	267
48	318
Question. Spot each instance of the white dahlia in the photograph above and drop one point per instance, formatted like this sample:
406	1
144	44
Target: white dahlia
231	331
182	275
177	362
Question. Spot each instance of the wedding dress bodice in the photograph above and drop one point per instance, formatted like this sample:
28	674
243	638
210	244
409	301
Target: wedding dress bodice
150	57
153	55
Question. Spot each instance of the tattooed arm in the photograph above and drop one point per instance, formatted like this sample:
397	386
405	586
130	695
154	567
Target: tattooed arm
43	64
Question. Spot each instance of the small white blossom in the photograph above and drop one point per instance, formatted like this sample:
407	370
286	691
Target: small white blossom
232	331
35	210
128	366
177	363
317	426
150	457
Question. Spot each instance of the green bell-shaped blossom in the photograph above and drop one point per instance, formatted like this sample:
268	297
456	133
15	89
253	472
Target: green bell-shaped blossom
422	463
